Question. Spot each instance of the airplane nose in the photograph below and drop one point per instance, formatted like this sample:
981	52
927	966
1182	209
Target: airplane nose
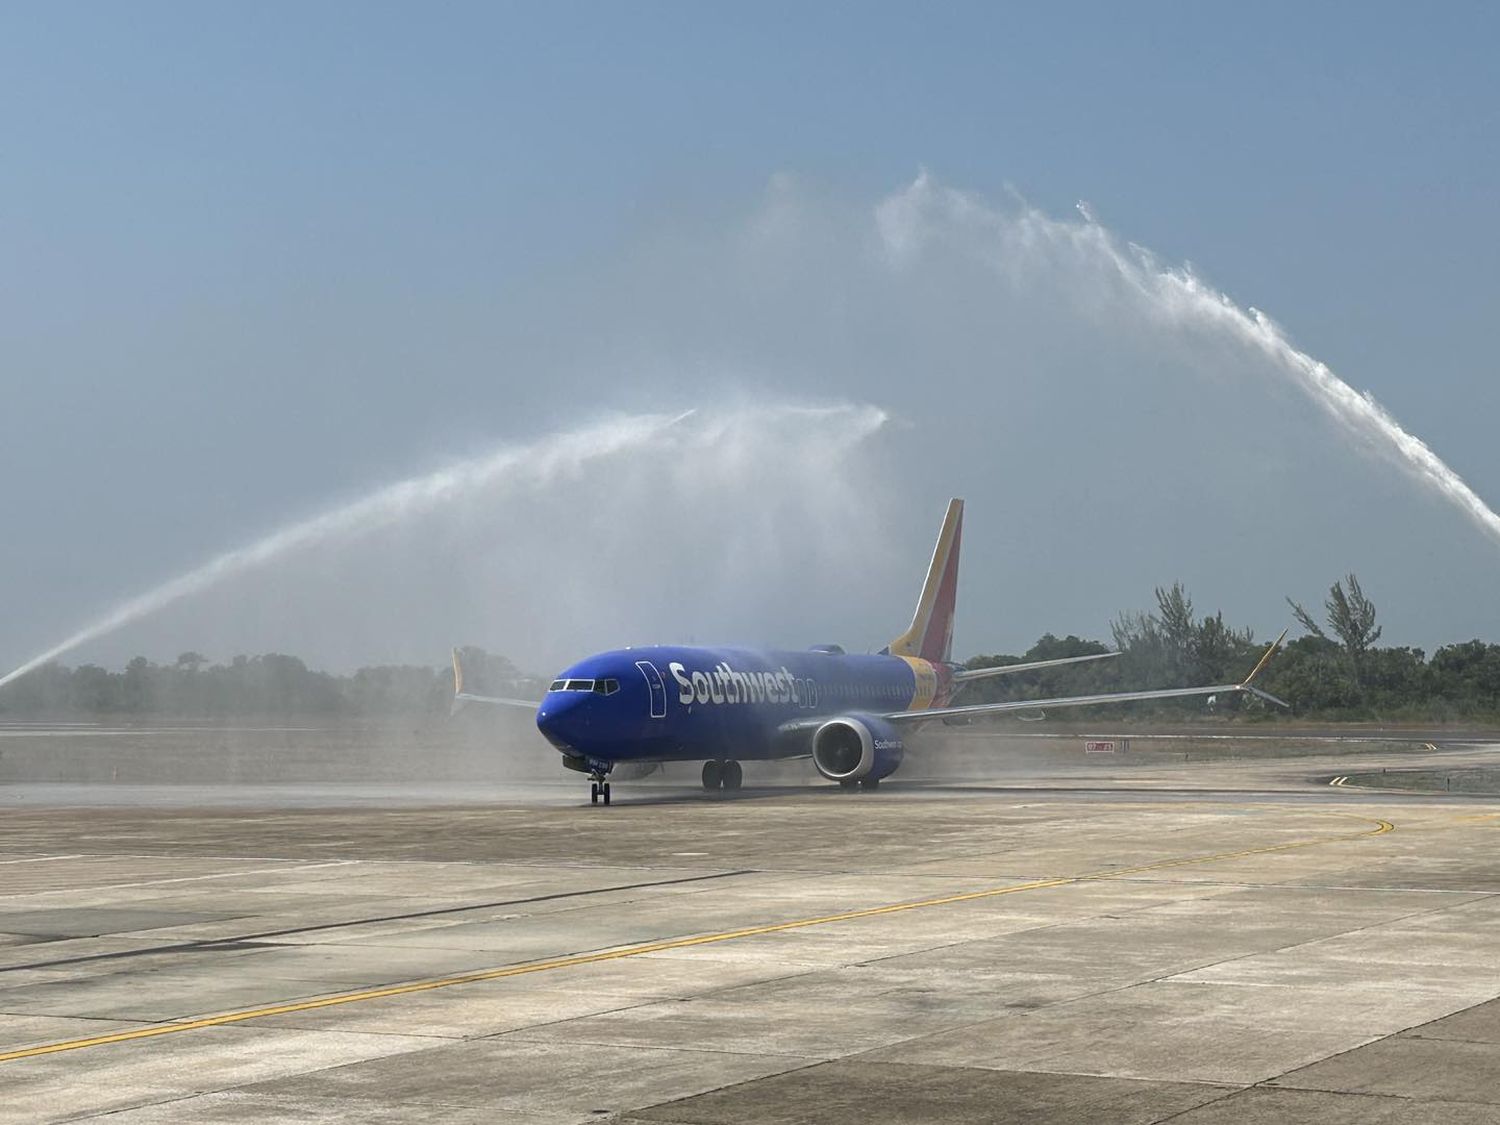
563	719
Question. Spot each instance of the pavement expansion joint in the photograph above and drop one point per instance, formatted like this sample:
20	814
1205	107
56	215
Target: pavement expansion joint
259	938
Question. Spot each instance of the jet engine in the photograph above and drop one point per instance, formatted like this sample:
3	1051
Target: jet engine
856	748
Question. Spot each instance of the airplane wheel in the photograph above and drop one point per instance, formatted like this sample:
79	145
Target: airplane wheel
870	782
848	786
713	774
734	775
594	793
605	790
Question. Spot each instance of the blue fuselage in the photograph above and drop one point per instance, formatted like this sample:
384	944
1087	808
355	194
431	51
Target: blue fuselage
667	703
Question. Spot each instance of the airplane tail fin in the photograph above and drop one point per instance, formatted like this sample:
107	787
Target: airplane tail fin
931	634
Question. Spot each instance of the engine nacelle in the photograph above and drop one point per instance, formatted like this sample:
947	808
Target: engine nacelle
633	771
857	748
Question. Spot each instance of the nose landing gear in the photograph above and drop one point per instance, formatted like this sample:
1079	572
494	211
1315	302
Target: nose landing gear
598	788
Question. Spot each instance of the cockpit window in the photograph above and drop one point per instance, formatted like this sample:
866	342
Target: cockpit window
598	687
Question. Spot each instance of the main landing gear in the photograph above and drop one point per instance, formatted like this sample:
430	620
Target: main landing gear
722	775
598	788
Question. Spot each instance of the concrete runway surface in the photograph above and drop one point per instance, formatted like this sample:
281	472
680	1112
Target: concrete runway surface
1137	939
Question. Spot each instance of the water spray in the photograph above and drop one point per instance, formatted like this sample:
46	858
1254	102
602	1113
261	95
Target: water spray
510	470
515	466
1017	242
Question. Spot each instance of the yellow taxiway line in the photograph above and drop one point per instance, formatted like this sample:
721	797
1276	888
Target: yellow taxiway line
577	959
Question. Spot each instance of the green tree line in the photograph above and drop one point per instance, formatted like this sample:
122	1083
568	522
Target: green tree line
1334	671
267	685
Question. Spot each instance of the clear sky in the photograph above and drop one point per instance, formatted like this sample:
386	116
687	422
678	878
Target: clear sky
257	258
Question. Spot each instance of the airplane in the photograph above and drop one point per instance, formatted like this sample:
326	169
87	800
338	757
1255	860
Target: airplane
625	712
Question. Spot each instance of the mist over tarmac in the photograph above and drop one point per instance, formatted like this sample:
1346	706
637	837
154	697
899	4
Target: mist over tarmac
480	755
846	365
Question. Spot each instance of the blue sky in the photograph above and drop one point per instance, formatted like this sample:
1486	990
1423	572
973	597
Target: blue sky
259	257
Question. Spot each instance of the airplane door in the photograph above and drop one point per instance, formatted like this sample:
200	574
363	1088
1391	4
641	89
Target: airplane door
657	689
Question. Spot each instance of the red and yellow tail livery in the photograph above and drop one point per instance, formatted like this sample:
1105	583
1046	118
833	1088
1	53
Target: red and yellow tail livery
931	634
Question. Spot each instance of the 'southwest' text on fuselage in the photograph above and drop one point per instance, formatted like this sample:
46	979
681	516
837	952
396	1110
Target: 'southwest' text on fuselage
725	685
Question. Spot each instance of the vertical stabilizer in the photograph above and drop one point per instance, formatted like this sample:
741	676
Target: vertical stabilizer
931	634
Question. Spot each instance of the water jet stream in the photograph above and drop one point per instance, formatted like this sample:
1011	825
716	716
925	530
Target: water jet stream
513	466
691	437
1024	242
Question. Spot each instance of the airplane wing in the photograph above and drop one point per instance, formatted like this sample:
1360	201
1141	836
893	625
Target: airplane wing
497	700
968	675
460	697
982	710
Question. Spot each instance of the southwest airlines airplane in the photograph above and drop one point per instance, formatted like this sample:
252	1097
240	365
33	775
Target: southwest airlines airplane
625	712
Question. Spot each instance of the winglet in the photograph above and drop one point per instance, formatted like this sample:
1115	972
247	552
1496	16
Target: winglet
1265	658
458	686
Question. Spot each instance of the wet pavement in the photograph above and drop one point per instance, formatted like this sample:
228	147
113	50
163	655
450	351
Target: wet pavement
1060	940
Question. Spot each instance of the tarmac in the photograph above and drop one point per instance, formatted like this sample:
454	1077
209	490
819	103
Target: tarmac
1120	939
